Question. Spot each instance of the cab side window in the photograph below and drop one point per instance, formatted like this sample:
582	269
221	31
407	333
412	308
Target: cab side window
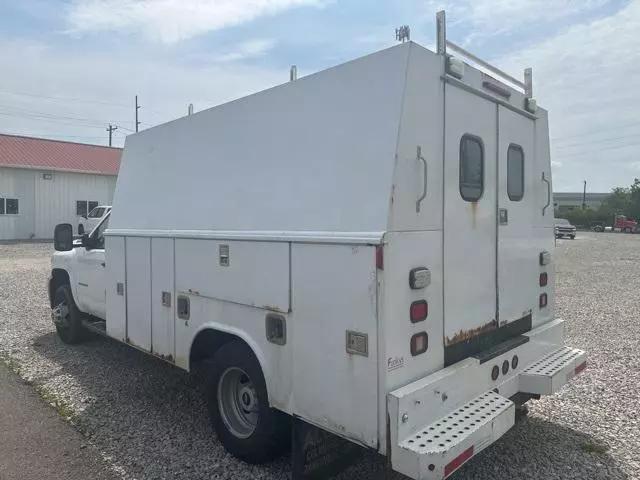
98	234
515	173
471	168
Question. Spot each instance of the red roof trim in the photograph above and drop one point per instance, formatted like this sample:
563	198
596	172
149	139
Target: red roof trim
57	155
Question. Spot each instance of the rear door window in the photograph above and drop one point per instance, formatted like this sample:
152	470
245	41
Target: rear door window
471	168
515	172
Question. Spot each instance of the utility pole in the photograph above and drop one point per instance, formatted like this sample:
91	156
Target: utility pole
111	129
137	108
584	196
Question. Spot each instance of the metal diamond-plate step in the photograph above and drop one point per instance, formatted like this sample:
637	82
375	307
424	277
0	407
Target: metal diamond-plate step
551	372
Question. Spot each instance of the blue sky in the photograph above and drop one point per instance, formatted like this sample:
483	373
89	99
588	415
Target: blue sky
72	67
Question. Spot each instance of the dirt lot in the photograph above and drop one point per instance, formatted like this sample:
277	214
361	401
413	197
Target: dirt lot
148	421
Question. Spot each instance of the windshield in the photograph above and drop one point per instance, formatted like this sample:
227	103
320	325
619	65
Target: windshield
562	221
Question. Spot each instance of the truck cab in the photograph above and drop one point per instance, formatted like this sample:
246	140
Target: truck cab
82	270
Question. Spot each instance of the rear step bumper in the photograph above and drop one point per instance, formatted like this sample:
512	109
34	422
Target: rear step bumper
441	421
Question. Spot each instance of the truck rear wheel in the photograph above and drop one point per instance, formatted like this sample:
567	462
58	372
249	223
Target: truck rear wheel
237	400
66	316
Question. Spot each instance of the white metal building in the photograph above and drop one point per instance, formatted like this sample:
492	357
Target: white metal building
45	182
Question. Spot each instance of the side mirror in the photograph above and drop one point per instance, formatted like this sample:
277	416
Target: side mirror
80	229
86	240
63	237
85	216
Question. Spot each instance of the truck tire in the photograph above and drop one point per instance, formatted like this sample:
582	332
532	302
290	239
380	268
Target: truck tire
238	405
67	318
573	237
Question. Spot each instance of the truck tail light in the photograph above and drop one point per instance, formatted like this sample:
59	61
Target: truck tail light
379	258
418	311
419	343
543	300
543	279
457	462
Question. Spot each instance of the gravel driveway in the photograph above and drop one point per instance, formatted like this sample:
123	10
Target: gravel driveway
149	421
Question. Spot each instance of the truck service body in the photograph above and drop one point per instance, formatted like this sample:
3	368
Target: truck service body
379	235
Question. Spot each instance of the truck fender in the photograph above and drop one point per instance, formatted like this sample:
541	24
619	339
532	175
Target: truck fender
234	332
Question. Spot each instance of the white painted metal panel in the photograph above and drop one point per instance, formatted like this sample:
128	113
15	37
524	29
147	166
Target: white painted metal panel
115	274
542	189
470	227
334	290
56	197
138	261
316	154
162	316
518	248
257	274
18	184
421	125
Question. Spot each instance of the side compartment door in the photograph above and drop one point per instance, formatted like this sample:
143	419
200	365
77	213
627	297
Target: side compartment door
518	248
469	222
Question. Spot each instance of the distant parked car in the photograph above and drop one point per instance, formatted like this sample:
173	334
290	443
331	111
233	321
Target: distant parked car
597	226
564	228
93	218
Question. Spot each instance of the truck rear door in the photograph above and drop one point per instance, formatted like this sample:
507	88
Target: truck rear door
470	223
518	249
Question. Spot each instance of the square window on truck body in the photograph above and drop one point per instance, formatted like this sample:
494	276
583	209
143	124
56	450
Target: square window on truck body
12	206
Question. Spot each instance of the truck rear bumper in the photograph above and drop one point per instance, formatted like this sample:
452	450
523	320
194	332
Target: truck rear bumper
439	422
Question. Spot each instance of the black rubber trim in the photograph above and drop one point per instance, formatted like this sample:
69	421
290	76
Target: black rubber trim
485	343
501	348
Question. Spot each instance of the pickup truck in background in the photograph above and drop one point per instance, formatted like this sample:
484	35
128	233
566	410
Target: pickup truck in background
563	228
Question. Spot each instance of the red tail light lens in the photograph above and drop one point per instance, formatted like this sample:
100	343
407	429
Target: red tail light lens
543	300
418	311
543	279
419	343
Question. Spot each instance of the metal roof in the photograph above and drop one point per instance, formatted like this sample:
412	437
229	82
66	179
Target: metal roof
45	154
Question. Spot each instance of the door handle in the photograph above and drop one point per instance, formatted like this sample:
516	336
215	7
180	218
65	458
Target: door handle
544	179
424	178
103	264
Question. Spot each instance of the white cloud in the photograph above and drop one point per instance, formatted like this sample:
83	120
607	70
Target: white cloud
489	18
165	86
171	20
586	77
249	49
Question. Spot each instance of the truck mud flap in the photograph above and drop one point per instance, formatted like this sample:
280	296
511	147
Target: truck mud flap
317	454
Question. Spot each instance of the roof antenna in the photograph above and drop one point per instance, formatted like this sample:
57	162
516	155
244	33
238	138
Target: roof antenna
293	73
190	109
403	33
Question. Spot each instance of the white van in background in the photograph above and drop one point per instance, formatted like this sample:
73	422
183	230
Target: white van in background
368	249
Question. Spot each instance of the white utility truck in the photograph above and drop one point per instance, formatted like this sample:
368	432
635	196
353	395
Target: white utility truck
367	249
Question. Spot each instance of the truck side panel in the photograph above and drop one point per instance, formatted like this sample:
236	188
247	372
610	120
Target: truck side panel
253	273
116	300
162	297
138	261
335	292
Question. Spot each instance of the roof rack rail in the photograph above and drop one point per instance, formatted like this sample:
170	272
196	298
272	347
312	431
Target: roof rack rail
443	43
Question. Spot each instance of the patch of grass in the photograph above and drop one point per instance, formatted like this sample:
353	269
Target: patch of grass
59	405
592	447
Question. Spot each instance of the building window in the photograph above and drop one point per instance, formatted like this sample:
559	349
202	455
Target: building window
83	207
515	173
471	168
9	206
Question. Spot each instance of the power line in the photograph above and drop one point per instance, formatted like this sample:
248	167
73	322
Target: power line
76	99
587	152
603	140
618	127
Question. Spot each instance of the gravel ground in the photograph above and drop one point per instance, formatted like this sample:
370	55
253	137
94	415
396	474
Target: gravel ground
148	419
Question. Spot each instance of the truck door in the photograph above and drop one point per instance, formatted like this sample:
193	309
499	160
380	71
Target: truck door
518	246
470	222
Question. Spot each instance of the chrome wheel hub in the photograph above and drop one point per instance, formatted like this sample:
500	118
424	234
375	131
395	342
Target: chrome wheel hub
60	315
238	402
